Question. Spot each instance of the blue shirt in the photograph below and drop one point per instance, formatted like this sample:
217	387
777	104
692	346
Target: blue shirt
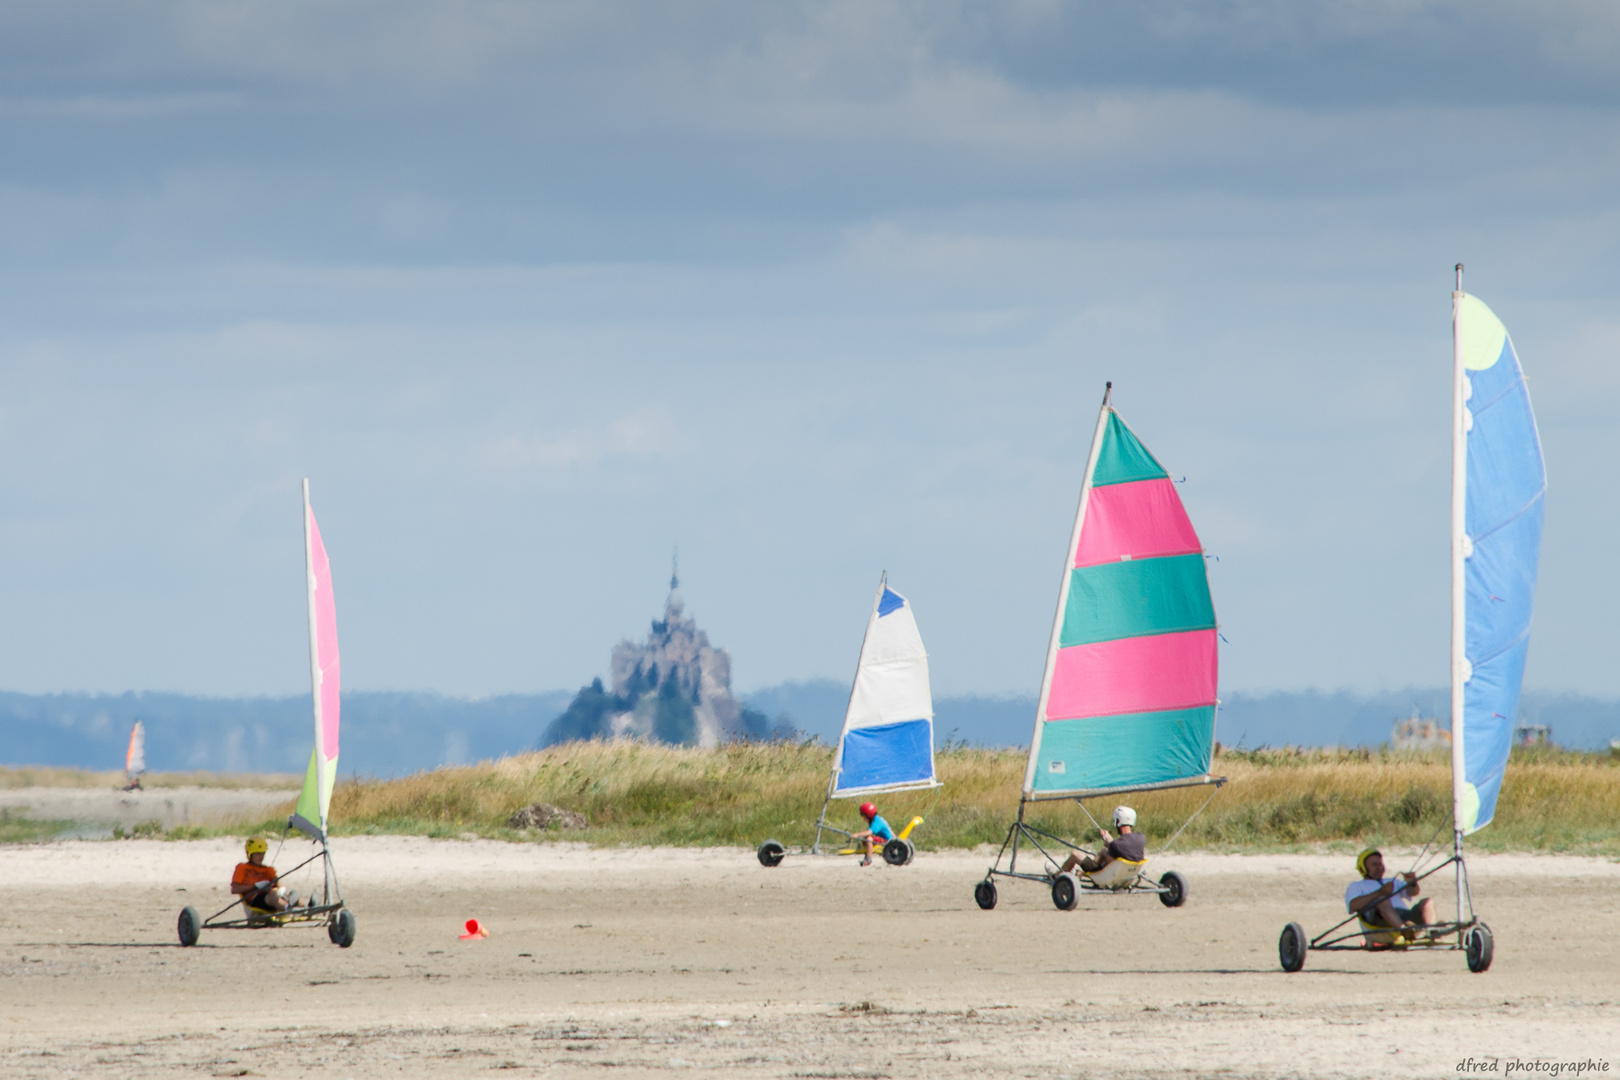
881	828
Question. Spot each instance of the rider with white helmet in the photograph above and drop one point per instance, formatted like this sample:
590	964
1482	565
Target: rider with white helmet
1130	845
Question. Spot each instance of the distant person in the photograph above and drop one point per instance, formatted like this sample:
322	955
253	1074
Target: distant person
255	882
1130	845
877	830
1387	902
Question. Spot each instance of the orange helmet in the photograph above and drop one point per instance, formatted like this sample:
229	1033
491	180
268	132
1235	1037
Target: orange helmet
868	811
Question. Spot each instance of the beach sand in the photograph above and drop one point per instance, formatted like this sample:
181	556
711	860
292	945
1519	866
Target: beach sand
630	962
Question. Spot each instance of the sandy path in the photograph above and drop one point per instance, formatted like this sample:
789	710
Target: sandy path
651	961
108	807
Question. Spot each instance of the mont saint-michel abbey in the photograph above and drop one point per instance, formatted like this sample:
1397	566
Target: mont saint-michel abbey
673	688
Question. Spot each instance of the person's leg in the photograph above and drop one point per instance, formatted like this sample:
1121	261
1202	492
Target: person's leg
1424	912
1093	863
1388	916
1070	863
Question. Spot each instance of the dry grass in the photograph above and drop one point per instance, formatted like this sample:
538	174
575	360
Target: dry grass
740	794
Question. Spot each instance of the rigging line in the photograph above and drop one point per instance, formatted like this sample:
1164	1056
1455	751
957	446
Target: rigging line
1189	821
1417	862
1086	812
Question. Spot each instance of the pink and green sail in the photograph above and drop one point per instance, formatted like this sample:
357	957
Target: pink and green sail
325	682
1128	699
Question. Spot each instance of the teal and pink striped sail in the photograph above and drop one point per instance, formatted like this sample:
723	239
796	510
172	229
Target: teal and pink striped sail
1128	699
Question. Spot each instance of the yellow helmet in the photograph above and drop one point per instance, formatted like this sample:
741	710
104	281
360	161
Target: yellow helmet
1361	860
257	844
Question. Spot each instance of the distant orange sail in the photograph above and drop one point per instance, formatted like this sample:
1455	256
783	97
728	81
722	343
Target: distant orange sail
135	759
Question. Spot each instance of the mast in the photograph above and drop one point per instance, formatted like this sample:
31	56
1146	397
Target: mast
838	751
314	660
1459	596
1063	596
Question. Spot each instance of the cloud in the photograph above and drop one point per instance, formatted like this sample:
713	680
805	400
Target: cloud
645	433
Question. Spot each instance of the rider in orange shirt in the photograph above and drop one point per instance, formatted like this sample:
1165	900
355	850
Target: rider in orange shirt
255	882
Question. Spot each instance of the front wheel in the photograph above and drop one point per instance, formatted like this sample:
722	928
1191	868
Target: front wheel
1174	888
190	926
771	853
1291	947
1065	892
341	929
1479	946
898	852
984	894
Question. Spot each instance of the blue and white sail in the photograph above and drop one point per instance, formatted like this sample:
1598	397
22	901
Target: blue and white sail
1498	488
888	739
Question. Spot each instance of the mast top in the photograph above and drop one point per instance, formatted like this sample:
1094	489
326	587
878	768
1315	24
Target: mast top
673	606
1459	276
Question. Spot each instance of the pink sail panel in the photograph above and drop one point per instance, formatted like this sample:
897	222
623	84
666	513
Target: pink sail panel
326	642
1138	674
1144	520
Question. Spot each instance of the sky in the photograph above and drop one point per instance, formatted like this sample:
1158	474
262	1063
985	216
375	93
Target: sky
535	292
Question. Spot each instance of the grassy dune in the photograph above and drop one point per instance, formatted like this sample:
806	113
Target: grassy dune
634	793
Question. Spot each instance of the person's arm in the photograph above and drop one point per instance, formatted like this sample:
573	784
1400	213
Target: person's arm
1412	888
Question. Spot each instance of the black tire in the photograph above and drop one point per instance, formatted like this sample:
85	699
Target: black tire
1479	946
190	926
1175	889
984	894
771	853
898	852
1065	892
1291	947
341	929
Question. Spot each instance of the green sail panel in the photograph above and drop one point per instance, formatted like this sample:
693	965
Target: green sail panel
1123	458
1136	597
1135	749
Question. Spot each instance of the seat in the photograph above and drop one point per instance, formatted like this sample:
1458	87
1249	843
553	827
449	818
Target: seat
1118	874
1377	935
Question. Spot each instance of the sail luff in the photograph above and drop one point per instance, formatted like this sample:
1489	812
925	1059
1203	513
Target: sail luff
1459	587
849	704
1054	641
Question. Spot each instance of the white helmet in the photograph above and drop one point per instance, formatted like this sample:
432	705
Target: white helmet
1124	815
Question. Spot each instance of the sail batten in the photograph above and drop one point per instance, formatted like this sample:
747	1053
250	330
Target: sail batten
1128	697
887	742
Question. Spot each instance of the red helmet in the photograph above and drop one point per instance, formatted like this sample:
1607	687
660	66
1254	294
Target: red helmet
868	811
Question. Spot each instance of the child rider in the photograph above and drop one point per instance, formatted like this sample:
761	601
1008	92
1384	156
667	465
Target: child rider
876	830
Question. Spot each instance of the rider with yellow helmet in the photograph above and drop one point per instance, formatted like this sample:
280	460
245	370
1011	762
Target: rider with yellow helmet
255	882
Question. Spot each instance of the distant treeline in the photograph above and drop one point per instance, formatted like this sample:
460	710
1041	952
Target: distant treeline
391	734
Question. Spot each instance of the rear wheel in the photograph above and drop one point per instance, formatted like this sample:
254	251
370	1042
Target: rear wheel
1478	945
771	853
1291	947
1065	891
898	852
984	894
190	926
1175	889
341	929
